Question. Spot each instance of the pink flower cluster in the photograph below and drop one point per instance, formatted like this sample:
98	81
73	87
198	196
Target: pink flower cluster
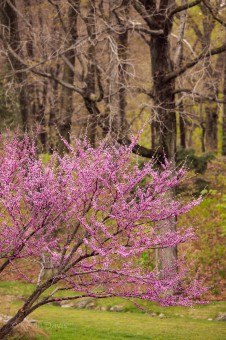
88	216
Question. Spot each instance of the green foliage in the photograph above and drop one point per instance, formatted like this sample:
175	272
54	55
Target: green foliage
197	163
45	157
222	209
148	260
207	252
201	186
9	108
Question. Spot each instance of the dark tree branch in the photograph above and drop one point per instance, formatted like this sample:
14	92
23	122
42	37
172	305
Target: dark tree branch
214	15
69	298
139	7
200	95
91	106
143	151
203	55
18	13
44	74
183	7
103	122
195	28
140	29
57	8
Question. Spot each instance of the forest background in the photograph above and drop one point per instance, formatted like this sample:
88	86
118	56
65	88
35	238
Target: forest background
111	68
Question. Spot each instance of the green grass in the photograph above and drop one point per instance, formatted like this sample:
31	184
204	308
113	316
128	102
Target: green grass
68	323
83	324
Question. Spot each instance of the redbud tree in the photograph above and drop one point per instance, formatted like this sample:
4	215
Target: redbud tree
85	219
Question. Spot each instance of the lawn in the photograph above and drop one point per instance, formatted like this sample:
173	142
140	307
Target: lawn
69	323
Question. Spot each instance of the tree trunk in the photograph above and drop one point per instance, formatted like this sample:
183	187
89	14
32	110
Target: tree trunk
68	75
153	135
122	53
114	64
178	59
211	126
24	311
9	19
53	133
224	112
211	109
182	127
164	102
115	98
203	126
90	79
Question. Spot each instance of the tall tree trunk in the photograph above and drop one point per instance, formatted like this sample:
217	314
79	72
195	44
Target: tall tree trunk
122	53
211	109
178	59
203	126
153	135
9	19
114	64
68	75
164	102
182	125
166	126
224	111
32	93
90	80
115	113
211	126
53	134
41	114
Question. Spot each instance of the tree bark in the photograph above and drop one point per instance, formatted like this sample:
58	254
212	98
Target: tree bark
182	127
66	109
24	311
90	94
211	126
164	103
211	109
178	59
224	111
9	19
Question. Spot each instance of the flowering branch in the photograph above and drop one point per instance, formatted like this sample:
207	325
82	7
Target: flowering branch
86	218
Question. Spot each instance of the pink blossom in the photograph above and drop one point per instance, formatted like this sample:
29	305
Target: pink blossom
89	215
